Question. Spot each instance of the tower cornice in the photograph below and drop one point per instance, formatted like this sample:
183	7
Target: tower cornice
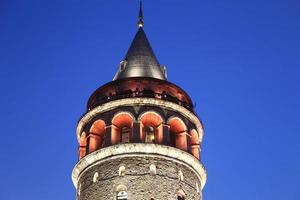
139	150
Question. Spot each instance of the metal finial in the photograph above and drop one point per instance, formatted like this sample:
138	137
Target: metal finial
141	16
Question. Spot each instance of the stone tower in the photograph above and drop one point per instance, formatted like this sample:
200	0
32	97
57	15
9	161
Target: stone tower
140	137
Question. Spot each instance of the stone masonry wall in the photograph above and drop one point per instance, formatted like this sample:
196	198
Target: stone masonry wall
140	184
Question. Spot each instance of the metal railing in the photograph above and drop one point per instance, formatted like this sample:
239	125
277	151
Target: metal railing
140	94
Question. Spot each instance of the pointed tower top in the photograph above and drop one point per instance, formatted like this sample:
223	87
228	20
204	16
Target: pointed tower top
140	60
141	16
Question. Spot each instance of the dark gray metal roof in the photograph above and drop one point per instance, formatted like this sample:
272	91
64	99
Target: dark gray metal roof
140	60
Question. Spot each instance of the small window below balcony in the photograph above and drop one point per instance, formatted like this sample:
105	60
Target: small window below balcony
122	195
152	169
180	175
96	177
181	195
122	170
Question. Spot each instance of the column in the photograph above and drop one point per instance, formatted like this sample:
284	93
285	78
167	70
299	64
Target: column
107	138
136	128
166	134
181	141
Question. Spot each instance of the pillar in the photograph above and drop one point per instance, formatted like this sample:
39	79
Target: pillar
181	142
166	134
107	138
136	128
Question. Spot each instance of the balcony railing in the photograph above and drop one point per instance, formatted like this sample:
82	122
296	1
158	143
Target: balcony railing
140	94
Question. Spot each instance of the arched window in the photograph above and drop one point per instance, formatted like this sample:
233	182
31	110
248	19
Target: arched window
121	128
123	64
96	135
152	169
151	127
122	170
178	133
180	175
180	194
95	177
122	195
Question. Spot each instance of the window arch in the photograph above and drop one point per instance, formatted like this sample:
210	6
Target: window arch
96	135
151	127
121	193
178	133
96	177
180	197
152	168
82	145
122	170
180	194
195	143
123	64
121	128
180	175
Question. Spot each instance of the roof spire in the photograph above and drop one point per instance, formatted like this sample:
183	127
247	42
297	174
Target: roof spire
141	16
140	60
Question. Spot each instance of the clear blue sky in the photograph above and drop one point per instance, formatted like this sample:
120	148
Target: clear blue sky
239	61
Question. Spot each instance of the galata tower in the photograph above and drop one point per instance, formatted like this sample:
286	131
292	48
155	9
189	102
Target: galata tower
140	138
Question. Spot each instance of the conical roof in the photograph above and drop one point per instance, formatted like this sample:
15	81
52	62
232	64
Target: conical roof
140	60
